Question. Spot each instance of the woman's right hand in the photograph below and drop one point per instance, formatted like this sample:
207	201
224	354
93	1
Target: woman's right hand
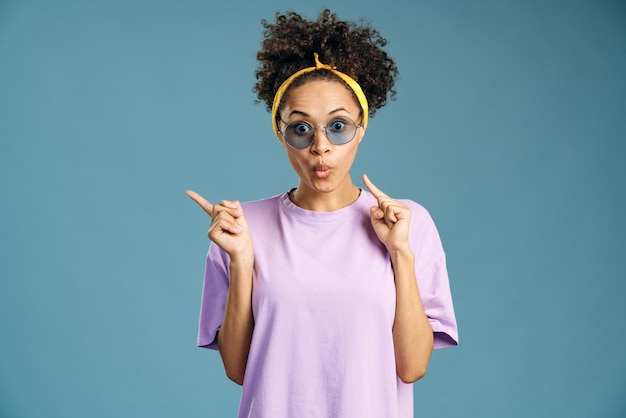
229	229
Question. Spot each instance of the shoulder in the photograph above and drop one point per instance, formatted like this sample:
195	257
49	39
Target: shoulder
418	211
262	208
420	216
261	205
425	239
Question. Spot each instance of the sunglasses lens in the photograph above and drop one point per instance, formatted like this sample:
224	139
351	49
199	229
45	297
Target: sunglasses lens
339	131
299	134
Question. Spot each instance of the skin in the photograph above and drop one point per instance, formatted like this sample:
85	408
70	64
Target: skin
329	189
325	185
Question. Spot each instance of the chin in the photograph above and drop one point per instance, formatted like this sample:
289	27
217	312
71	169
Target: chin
322	186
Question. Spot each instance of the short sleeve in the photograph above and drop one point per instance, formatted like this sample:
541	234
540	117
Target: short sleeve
214	294
437	300
432	277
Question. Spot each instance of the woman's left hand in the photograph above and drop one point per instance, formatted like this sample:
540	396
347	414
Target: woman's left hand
391	219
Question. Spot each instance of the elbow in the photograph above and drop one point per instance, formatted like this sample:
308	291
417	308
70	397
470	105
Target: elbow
412	375
235	375
235	370
234	366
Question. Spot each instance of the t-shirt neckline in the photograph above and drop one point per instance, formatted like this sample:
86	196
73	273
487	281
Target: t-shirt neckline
309	215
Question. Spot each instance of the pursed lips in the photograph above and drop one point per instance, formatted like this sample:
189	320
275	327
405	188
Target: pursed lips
322	170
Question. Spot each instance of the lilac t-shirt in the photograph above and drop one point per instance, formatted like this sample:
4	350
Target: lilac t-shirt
323	303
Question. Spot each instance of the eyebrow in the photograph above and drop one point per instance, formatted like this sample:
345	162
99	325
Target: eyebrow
301	113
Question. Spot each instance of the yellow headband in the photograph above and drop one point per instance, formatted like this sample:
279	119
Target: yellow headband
319	66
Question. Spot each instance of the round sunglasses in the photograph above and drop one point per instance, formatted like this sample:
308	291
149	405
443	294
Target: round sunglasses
300	134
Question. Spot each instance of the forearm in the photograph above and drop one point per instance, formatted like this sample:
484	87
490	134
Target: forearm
235	335
412	332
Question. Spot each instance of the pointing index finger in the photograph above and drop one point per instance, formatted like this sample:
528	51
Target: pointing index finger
372	188
202	202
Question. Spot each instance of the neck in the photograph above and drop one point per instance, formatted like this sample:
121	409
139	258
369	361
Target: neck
324	202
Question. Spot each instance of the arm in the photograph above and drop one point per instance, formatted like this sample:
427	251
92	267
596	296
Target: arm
229	230
412	334
235	335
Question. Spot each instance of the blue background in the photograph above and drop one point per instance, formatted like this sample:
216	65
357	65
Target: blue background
509	126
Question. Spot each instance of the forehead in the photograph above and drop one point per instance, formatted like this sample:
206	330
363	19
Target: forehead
320	96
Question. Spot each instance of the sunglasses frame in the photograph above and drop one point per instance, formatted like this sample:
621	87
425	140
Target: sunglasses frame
315	128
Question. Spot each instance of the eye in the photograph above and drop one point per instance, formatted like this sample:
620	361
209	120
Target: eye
337	125
299	128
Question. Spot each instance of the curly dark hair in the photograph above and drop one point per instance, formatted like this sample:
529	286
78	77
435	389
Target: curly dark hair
353	48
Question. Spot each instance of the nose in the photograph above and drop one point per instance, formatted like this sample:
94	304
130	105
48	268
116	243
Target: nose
321	144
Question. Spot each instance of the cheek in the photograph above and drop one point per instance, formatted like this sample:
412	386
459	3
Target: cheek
352	156
347	157
294	158
353	146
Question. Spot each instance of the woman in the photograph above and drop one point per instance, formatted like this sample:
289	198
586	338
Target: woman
327	300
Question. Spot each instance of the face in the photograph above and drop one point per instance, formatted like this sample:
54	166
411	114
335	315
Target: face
323	167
